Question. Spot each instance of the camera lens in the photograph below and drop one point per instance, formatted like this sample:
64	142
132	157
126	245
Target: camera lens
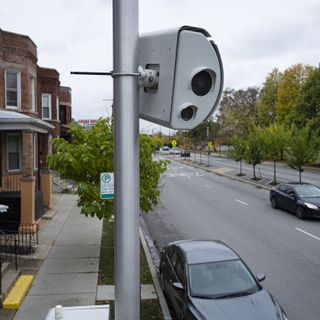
187	113
201	83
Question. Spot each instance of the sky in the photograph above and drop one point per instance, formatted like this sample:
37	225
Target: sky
253	36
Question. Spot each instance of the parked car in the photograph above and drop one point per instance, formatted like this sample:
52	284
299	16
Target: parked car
165	149
185	154
302	199
174	151
207	280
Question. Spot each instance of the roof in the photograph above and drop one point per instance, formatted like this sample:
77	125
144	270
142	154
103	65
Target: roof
200	251
11	120
19	35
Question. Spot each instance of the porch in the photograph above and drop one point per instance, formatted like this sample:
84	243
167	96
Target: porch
25	179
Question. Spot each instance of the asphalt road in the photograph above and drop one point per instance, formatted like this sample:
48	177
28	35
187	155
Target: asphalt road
200	205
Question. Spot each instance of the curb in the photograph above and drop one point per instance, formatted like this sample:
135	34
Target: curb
18	292
162	300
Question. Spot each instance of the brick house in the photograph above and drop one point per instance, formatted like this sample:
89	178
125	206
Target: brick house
34	108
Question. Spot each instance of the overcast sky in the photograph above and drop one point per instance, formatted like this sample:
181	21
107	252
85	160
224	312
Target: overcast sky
253	37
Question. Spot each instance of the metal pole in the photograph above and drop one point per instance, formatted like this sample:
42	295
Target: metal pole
126	112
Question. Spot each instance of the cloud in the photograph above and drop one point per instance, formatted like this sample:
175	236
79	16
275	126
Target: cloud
253	37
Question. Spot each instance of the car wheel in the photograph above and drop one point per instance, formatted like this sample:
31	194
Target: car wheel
274	203
162	282
299	212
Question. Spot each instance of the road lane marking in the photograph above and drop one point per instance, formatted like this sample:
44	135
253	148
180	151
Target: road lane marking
308	234
245	204
206	185
183	174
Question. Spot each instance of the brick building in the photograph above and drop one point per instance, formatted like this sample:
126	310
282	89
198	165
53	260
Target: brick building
34	108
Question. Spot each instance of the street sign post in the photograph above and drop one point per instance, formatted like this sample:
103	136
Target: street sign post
106	185
127	196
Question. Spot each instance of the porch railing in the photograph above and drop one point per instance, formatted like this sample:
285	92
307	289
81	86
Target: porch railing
10	182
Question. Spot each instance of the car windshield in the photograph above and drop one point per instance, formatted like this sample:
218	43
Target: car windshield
221	279
308	191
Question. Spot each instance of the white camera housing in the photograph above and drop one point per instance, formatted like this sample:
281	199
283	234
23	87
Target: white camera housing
190	72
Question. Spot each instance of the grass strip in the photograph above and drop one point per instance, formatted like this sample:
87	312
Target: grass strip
149	309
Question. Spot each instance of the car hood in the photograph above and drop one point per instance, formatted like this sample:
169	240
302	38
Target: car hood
315	201
258	306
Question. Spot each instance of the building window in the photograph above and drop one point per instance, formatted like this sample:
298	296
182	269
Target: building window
46	106
13	89
32	94
63	114
14	148
57	105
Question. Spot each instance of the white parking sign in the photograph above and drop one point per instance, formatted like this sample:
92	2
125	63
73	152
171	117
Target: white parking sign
106	185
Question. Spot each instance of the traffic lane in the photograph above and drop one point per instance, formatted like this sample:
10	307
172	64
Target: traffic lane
250	230
248	244
244	194
229	197
276	222
310	227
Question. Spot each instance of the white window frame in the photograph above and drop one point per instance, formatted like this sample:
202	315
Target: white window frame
50	105
57	106
19	149
33	93
18	73
35	151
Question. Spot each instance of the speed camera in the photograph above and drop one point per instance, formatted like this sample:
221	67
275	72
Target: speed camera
189	77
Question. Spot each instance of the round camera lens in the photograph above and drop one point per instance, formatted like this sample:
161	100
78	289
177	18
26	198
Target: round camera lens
201	83
187	113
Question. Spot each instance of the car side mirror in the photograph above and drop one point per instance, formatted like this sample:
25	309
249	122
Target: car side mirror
261	276
177	285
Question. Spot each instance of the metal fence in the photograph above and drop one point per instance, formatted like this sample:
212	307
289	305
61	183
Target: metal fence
13	244
19	243
23	240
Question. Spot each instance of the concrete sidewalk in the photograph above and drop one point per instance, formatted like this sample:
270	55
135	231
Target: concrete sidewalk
70	248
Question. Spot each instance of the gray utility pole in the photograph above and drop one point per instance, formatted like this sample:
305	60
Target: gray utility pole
126	112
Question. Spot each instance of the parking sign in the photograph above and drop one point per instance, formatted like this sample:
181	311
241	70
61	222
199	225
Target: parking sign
106	185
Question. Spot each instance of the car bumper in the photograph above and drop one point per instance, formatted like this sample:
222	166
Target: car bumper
312	213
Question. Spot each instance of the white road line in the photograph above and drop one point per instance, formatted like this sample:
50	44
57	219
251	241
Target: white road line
307	233
206	185
241	202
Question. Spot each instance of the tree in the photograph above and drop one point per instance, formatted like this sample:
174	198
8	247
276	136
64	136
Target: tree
238	150
238	111
268	98
308	105
206	131
157	141
89	154
303	147
275	139
288	92
254	149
